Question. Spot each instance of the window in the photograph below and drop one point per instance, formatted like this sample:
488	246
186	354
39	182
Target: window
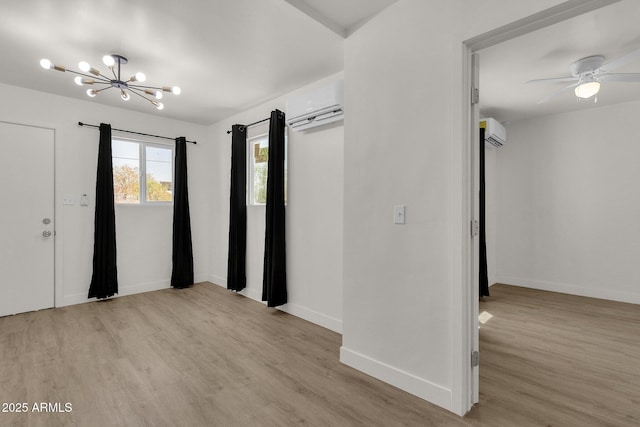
258	168
142	172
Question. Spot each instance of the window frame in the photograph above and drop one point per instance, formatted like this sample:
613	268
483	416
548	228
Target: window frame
142	170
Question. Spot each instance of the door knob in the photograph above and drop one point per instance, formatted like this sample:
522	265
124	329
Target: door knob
46	233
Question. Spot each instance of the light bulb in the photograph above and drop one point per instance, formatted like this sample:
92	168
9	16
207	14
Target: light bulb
91	92
108	60
587	90
140	77
176	90
46	64
124	95
159	105
80	81
84	66
155	93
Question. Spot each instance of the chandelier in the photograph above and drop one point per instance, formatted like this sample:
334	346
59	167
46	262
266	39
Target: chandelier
126	87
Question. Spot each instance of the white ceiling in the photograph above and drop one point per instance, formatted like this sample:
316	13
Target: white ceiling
226	55
611	31
341	16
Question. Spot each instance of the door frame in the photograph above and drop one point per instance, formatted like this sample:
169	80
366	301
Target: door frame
468	306
57	244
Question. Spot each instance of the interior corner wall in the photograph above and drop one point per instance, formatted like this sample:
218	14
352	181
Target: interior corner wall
144	233
404	133
568	203
313	215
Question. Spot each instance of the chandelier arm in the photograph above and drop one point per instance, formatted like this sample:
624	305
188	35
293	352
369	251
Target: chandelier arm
140	87
100	78
104	77
135	90
103	89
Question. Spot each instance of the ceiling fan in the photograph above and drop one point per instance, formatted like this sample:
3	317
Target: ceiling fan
588	73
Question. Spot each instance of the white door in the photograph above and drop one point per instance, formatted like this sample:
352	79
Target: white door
475	246
26	218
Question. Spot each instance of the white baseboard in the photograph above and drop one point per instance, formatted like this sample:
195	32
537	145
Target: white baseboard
122	291
297	310
217	280
313	316
201	278
410	383
602	293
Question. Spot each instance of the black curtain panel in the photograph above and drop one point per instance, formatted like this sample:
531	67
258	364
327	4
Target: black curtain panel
104	280
274	280
182	273
236	264
484	279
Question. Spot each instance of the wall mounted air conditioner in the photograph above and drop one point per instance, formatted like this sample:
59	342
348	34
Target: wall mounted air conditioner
317	107
494	132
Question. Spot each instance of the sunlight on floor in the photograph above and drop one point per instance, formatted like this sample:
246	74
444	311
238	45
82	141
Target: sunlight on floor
484	317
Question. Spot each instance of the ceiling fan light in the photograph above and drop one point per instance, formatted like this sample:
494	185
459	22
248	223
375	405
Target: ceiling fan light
108	60
587	90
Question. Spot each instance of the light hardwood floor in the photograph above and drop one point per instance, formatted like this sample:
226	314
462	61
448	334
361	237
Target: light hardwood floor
551	359
207	357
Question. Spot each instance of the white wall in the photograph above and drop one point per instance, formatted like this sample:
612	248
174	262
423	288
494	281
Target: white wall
403	284
313	216
491	226
568	204
143	233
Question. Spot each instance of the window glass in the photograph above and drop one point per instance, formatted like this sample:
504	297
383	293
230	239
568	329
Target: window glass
142	172
260	157
159	180
126	171
258	169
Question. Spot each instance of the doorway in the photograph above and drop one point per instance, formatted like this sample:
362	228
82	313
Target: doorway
27	218
532	23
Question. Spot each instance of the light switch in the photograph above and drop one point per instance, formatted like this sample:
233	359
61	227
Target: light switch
84	200
398	214
68	199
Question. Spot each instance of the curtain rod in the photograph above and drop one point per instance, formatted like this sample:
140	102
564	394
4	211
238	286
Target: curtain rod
137	133
252	124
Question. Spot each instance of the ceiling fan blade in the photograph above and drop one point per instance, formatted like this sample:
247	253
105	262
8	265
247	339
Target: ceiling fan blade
560	92
621	77
554	79
623	60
